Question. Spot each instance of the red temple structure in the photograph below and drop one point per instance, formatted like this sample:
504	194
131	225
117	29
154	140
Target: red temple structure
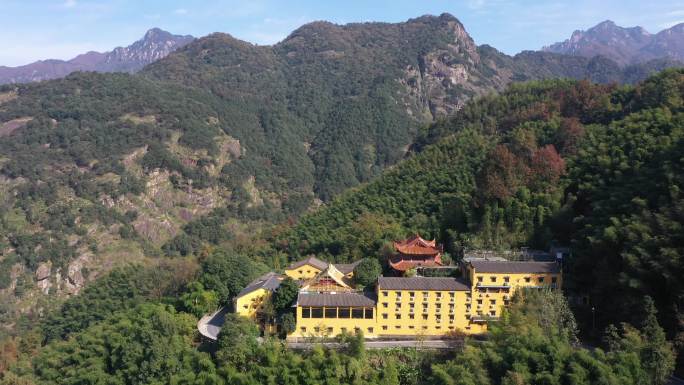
416	252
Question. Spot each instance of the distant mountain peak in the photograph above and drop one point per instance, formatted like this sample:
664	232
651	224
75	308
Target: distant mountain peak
624	45
154	45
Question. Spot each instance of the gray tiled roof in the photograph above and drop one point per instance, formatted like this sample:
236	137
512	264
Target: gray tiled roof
338	299
269	281
422	283
515	267
313	261
346	268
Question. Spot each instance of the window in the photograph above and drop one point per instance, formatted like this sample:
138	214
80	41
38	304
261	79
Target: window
301	272
439	294
492	279
384	315
308	272
398	305
330	312
246	306
507	279
398	294
479	302
357	330
411	326
554	279
438	318
384	327
451	319
527	279
369	313
452	295
316	312
438	306
317	329
343	312
492	302
357	312
425	317
438	327
397	316
384	294
479	279
451	308
424	327
330	330
425	296
412	316
492	313
397	326
343	330
425	307
303	329
370	330
412	294
541	279
384	304
412	305
306	312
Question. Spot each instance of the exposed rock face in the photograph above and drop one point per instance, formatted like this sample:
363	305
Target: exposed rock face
74	278
623	45
43	277
155	45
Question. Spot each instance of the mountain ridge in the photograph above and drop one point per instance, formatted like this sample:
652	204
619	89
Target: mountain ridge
154	45
624	45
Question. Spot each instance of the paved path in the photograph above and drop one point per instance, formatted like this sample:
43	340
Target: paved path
210	325
385	344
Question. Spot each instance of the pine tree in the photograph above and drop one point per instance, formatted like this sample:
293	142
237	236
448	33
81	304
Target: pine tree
657	356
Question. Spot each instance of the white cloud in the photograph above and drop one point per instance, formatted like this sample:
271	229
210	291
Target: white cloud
70	3
181	11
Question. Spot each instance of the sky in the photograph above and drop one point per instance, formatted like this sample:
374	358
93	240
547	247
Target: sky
61	29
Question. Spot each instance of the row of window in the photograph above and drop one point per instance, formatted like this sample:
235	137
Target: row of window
338	312
412	294
425	317
493	279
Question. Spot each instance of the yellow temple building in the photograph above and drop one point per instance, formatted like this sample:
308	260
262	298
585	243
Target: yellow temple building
328	303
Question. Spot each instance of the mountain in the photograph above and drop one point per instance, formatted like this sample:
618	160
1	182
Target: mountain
221	139
623	45
155	45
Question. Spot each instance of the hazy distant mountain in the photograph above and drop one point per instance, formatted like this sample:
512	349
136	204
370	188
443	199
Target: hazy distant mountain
623	45
155	45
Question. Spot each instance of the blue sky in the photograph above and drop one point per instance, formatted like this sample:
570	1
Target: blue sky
38	29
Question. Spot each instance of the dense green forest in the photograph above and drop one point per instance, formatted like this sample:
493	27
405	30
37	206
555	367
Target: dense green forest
598	168
226	159
142	337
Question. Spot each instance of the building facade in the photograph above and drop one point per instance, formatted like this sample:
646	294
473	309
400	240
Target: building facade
431	307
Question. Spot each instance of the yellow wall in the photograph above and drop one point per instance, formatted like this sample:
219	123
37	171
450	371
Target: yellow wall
425	313
492	291
249	304
330	327
303	272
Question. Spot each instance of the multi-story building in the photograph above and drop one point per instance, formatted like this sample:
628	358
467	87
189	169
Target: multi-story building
431	307
329	303
250	301
415	252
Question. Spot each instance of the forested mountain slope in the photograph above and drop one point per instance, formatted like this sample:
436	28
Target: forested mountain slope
221	136
595	167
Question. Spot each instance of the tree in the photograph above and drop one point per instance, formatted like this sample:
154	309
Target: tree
198	301
367	272
237	342
657	356
287	324
285	295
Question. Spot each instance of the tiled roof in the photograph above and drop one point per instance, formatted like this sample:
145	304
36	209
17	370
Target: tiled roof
422	283
408	264
269	281
338	299
346	268
417	246
313	261
515	267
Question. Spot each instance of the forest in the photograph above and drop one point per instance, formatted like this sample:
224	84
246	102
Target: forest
596	167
